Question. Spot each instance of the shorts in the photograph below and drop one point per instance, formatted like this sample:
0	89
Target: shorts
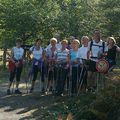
91	66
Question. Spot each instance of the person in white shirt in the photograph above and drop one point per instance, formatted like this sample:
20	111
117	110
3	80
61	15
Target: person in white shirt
82	55
96	49
58	44
37	63
51	54
16	65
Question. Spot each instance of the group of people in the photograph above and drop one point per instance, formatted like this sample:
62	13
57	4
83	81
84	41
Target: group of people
64	63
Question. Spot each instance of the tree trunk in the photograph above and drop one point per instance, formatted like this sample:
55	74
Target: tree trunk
4	56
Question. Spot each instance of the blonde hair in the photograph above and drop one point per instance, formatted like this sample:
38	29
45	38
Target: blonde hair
111	38
76	40
64	40
85	37
53	39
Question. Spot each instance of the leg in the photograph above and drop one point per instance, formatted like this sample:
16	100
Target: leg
18	75
35	72
12	75
43	78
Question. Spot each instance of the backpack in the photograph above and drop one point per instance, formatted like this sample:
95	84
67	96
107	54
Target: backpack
103	46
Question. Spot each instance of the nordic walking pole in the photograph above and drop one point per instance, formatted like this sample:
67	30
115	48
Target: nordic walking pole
70	81
81	81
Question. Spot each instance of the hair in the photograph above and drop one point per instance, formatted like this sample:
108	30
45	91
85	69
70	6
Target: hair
53	39
76	40
38	39
84	37
18	40
64	40
111	38
71	38
96	30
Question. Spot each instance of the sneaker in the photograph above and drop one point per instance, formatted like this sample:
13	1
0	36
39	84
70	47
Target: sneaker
18	91
31	90
8	92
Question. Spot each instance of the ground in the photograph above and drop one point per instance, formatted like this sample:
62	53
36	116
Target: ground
26	106
36	106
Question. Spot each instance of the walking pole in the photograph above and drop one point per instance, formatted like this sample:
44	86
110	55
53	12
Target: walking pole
81	80
70	81
54	84
25	77
13	85
40	76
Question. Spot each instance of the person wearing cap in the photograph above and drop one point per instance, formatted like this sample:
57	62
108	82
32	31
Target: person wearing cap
61	67
74	65
16	65
50	54
38	58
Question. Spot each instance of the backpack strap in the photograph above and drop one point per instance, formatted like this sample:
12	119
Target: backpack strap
33	48
103	44
91	43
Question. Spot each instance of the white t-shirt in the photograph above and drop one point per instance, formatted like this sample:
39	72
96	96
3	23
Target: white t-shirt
18	53
51	54
96	49
37	54
82	53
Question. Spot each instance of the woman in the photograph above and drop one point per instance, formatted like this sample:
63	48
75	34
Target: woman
16	65
112	50
61	67
82	54
74	61
50	54
37	63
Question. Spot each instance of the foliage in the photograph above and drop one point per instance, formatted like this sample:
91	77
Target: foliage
29	19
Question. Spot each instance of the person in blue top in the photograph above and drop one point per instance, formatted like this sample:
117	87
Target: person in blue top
74	62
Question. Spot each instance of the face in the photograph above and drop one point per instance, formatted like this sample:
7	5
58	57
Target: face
97	35
38	43
18	44
75	45
84	42
110	42
64	44
53	43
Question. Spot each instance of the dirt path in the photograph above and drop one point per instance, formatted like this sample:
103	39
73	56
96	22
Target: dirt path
6	112
23	107
35	106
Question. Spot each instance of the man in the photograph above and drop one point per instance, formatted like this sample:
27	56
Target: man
96	49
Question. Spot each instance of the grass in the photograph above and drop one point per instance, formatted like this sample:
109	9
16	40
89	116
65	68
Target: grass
99	106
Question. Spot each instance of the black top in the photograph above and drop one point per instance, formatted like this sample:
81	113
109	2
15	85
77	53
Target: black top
112	53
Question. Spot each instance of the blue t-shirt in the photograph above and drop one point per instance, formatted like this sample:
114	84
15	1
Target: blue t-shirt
74	56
